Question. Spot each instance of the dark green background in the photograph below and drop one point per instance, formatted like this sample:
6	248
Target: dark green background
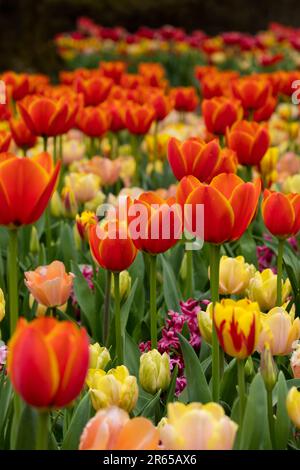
27	26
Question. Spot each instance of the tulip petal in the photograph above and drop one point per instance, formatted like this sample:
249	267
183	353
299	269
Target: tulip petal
278	214
137	434
244	200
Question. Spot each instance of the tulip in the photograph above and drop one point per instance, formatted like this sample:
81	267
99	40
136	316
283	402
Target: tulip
117	112
5	139
84	186
228	162
21	134
193	157
113	70
94	122
154	371
279	330
50	285
44	116
2	305
138	118
238	326
250	141
153	73
185	99
268	166
220	113
95	90
116	387
197	427
293	406
17	83
268	368
48	361
161	103
205	323
281	213
229	205
295	363
265	112
291	184
34	240
99	356
262	289
83	223
235	275
125	285
112	429
251	91
112	248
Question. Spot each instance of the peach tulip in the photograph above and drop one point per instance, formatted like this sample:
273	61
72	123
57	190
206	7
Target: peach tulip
50	285
112	429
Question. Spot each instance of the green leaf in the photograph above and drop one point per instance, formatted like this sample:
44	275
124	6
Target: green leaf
197	387
80	417
282	423
149	410
26	435
228	383
5	399
132	355
85	297
170	288
127	305
172	386
67	248
254	433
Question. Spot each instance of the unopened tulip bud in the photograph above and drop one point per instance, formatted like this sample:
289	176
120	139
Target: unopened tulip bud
99	356
2	305
183	268
268	368
56	205
249	368
34	241
154	371
69	202
293	406
205	324
124	283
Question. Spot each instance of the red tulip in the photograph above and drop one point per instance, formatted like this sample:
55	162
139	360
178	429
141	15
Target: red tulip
21	134
138	118
281	213
95	90
253	92
185	98
249	140
5	139
94	122
220	113
48	361
18	83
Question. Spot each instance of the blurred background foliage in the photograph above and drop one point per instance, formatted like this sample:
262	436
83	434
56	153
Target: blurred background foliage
28	26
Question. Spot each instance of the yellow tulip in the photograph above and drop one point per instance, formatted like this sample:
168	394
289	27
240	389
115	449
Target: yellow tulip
291	184
235	275
238	326
293	406
205	324
2	305
116	387
279	330
99	356
263	288
197	427
268	165
154	371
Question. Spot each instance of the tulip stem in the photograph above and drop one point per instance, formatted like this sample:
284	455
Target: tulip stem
189	274
248	173
42	431
155	140
106	307
60	146
54	149
271	417
12	269
118	327
214	289
241	384
45	143
279	272
153	313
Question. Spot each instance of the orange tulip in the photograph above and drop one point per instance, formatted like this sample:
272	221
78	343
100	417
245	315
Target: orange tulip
113	70
24	203
185	98
153	73
281	213
138	118
48	361
94	122
160	225
44	116
161	103
95	90
22	136
50	285
5	139
217	84
265	112
117	113
253	92
111	245
112	429
193	157
18	84
228	162
220	113
250	141
229	205
203	70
